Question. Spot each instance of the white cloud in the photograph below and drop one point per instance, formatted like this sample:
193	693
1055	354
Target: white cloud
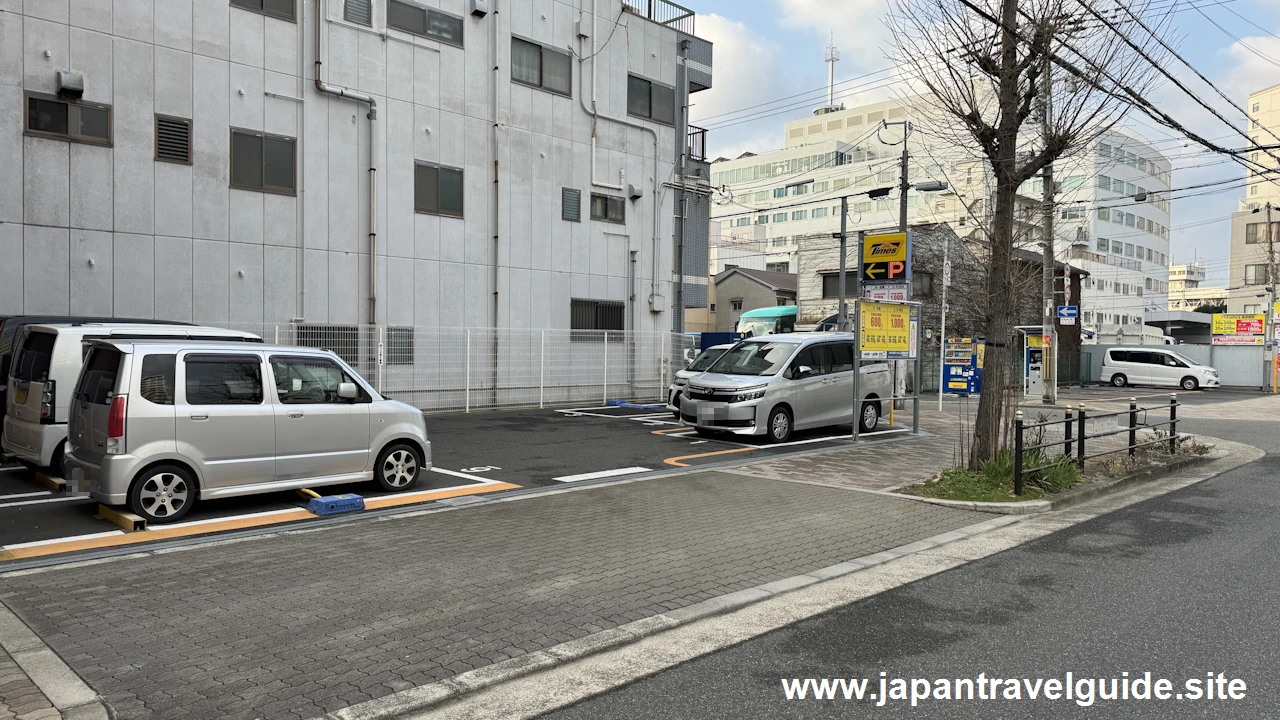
746	72
858	27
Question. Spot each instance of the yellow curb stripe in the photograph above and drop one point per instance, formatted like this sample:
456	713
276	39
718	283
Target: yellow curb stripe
387	501
160	532
671	430
676	460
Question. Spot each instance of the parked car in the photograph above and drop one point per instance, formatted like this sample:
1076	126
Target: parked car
157	425
1148	365
11	327
781	383
696	367
43	371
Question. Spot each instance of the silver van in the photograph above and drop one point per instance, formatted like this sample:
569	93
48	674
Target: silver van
1146	365
156	425
775	384
46	363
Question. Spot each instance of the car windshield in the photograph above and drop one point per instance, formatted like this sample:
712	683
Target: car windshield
754	358
757	328
704	361
1185	359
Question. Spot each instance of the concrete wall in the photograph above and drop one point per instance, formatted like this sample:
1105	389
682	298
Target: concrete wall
109	230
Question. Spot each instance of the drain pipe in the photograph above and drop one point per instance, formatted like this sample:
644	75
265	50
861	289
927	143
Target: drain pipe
373	169
595	118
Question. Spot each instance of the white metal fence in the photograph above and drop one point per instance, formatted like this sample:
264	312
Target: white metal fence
441	368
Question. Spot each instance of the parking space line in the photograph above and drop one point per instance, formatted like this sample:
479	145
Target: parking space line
602	474
51	541
13	468
45	500
25	494
464	476
676	460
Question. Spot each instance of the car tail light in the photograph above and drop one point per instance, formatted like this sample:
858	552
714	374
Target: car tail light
47	414
115	424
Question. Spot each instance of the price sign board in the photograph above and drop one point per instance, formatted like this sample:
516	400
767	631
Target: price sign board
886	331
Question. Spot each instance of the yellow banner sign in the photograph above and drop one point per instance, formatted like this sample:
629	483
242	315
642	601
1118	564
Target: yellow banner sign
1252	324
890	247
885	330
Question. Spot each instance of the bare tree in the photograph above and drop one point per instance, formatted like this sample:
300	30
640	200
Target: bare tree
982	68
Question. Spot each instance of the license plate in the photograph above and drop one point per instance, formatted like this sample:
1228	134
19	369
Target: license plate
20	396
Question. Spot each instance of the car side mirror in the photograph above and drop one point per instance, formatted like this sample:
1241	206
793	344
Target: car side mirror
347	391
802	371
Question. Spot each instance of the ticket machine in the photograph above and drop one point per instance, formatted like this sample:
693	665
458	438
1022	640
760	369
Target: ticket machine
1033	364
962	366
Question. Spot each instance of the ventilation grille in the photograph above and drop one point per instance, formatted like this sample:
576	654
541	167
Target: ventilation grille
571	204
173	139
359	12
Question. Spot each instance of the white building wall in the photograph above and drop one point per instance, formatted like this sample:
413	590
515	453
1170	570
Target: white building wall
110	230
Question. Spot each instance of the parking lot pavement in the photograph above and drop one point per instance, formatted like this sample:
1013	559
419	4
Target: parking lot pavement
306	623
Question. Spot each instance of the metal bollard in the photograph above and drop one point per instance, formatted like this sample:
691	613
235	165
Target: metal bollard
1066	432
1133	426
1017	454
1080	440
1173	423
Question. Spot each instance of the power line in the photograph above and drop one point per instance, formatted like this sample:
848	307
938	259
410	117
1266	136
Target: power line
1244	44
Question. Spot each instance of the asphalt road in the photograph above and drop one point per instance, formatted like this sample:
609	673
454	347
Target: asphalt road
1178	586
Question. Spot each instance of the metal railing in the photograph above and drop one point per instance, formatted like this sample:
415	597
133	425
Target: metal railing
697	145
445	368
663	12
1081	435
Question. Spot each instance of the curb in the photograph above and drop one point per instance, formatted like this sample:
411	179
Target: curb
1070	497
66	691
432	695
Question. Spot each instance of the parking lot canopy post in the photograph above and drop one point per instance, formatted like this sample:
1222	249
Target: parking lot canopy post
1173	423
605	389
468	361
1017	454
1133	426
1080	439
663	357
542	370
381	356
916	383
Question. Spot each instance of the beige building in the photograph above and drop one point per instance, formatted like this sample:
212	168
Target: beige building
1187	290
1254	256
1264	112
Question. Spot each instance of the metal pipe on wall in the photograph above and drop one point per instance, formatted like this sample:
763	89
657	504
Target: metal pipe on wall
373	170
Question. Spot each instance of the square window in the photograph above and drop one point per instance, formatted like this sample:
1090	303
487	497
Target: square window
638	100
541	67
53	117
607	208
437	190
263	162
423	21
277	8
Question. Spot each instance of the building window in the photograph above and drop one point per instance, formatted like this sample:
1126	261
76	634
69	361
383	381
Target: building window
800	190
613	209
779	217
359	12
173	139
1104	150
781	267
921	284
1252	309
799	214
735	304
1104	214
1129	219
571	204
424	21
819	212
711	307
821	187
541	67
53	117
648	99
831	284
780	192
275	8
399	346
1257	107
437	189
596	315
740	222
1255	274
263	162
762	219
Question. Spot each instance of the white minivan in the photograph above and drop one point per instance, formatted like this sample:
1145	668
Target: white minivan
1148	365
46	363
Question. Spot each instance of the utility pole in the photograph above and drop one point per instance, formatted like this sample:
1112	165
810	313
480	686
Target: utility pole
904	185
1269	328
1049	377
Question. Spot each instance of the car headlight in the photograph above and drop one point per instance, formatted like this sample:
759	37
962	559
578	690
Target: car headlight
681	382
747	394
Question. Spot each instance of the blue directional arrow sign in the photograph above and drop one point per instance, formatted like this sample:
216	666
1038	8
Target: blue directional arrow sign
1067	314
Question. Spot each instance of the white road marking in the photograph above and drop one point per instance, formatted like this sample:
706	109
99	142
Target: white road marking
90	536
13	468
476	478
224	518
46	500
697	442
601	474
26	494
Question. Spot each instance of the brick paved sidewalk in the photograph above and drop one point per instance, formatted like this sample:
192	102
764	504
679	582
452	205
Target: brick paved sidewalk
19	697
305	623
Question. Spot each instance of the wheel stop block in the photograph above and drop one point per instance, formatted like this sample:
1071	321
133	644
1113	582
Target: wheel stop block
126	520
334	504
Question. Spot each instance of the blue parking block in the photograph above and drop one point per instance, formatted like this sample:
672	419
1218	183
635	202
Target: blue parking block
334	504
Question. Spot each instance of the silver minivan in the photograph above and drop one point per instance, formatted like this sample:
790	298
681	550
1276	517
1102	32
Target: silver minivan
156	425
775	384
1146	365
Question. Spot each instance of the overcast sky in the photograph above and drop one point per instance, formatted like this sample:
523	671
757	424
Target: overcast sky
767	50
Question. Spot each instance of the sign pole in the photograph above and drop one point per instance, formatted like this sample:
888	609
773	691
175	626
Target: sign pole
942	340
857	355
842	317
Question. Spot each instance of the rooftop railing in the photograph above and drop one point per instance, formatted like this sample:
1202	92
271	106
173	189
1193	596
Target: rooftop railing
663	12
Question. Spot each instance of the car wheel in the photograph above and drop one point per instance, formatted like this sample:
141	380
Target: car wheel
58	463
398	467
779	425
1119	380
1189	383
162	494
870	416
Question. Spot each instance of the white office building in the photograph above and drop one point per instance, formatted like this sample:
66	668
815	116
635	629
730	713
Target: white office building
342	162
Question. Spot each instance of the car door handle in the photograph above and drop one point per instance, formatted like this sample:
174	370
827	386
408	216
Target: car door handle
200	416
295	413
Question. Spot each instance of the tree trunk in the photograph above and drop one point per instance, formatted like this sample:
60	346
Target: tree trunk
996	374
